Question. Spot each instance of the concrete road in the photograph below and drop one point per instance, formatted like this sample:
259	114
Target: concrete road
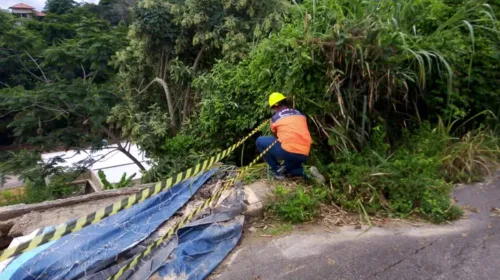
466	249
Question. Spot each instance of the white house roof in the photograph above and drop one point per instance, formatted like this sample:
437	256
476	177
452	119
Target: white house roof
112	162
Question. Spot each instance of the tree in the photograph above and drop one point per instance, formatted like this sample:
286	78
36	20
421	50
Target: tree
70	93
173	42
60	6
116	11
15	44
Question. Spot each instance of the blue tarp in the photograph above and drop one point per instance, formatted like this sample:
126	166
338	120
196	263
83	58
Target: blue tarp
203	244
97	246
16	263
201	249
196	250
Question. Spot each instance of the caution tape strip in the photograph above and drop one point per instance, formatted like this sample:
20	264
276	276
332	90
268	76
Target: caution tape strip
92	218
186	219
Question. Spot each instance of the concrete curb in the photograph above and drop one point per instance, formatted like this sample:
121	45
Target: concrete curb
256	195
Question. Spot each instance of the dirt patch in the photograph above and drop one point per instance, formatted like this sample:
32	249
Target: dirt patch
5	226
19	228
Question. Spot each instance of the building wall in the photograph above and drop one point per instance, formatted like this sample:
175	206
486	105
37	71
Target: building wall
95	181
92	180
22	11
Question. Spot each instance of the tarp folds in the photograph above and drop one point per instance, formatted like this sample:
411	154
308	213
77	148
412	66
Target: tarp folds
203	244
201	248
98	251
95	247
196	250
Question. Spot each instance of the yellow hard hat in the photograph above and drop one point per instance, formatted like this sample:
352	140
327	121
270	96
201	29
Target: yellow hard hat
275	97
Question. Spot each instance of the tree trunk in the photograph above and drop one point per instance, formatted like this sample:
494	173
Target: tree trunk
185	108
130	156
170	104
168	95
171	111
187	95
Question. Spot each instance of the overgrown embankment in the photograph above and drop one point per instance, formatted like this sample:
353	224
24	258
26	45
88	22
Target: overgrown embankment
398	96
415	178
402	97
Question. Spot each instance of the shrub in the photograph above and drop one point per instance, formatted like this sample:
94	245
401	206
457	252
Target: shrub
124	182
35	193
58	187
298	205
405	181
9	197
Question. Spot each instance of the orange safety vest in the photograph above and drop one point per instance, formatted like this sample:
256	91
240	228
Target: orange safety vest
290	126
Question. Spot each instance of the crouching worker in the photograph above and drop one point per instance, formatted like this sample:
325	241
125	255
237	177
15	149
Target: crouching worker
294	141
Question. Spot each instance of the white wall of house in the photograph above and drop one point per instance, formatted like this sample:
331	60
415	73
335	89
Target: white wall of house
21	11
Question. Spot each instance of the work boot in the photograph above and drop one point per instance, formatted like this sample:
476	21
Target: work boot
279	174
278	177
316	176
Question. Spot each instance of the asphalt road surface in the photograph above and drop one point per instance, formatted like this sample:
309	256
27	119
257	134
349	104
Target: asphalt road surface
467	249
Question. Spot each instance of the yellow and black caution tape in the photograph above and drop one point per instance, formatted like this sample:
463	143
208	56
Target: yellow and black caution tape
186	219
125	203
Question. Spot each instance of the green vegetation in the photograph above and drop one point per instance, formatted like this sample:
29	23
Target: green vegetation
13	196
402	97
36	193
277	229
370	76
56	189
56	90
403	182
124	182
471	157
415	177
298	205
59	6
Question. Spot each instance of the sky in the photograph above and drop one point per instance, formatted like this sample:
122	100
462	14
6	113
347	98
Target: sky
38	4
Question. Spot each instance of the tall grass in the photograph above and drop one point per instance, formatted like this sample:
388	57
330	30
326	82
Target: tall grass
360	68
391	54
471	157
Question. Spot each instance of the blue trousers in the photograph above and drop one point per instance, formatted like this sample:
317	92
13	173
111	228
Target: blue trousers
293	162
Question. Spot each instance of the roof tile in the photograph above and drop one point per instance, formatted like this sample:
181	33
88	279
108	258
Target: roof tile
21	6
